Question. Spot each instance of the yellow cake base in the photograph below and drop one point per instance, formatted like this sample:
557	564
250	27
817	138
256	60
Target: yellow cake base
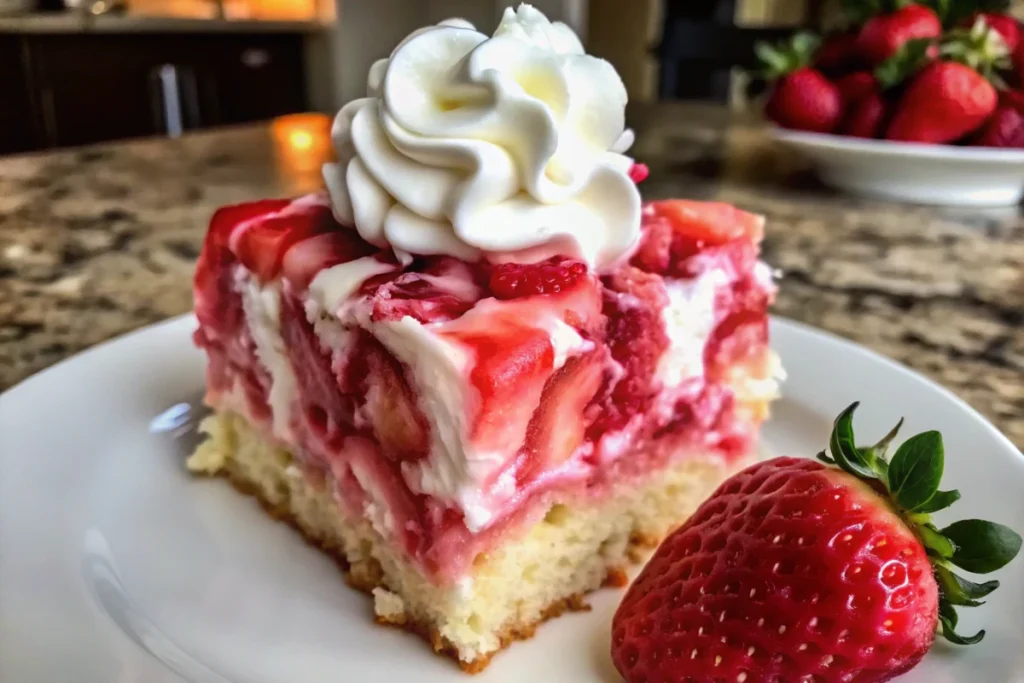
579	545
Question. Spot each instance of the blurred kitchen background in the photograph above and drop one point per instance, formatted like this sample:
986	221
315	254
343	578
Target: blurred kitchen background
74	72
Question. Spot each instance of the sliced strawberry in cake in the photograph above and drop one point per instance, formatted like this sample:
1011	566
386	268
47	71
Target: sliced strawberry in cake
478	370
449	419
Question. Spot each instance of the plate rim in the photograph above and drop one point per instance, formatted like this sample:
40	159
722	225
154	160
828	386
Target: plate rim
907	150
158	670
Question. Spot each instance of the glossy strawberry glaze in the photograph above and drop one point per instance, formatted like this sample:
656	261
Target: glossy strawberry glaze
565	392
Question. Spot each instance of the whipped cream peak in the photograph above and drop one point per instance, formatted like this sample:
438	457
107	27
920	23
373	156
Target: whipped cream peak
507	148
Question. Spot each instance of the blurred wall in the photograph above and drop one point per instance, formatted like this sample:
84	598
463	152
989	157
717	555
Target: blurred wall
624	33
367	30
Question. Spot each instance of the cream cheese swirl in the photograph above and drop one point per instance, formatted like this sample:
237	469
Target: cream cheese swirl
508	148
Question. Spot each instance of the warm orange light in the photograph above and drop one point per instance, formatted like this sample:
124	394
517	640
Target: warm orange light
300	139
302	144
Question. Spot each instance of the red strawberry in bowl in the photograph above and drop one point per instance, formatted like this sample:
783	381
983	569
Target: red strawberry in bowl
945	102
1004	25
867	118
839	53
802	98
805	100
797	570
883	35
1004	129
857	86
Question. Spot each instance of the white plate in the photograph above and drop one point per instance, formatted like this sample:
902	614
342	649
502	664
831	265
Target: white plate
913	172
115	566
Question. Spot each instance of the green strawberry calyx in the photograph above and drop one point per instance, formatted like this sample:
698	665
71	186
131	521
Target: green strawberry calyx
911	479
912	56
787	56
980	47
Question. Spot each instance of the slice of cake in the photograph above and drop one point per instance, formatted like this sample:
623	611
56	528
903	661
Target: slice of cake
479	372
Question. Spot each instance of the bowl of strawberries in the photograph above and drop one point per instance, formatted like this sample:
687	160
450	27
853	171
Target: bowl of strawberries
918	102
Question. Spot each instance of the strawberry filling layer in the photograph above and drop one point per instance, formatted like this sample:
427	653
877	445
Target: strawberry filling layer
449	402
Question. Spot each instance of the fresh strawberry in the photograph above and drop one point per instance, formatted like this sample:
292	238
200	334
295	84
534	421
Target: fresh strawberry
884	34
1018	63
801	97
1004	129
839	53
558	427
867	118
1004	25
805	100
945	102
980	47
304	259
795	570
1013	99
856	86
514	280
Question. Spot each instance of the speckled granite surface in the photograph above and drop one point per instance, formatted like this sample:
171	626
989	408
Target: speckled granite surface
96	242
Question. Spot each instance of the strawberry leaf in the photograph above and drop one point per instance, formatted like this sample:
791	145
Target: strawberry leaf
982	547
859	11
935	542
916	470
907	61
980	47
952	636
787	56
880	449
844	449
959	591
940	501
948	612
912	479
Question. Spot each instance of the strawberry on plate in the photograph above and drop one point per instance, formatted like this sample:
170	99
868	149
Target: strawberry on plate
800	570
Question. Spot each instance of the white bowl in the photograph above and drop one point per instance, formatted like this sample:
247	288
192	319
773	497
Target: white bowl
913	172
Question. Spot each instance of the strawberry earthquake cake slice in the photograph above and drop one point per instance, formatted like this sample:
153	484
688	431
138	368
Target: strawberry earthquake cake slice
478	370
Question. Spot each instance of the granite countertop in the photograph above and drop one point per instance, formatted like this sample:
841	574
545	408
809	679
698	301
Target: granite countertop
99	241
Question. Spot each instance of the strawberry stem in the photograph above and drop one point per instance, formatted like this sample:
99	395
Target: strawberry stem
787	56
911	480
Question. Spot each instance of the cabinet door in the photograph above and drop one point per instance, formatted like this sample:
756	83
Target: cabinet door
18	133
94	88
259	77
106	87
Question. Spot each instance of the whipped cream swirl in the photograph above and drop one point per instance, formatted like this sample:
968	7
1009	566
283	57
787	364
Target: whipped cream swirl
507	148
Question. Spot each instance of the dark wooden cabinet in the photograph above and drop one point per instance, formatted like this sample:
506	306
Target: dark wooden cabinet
65	90
18	132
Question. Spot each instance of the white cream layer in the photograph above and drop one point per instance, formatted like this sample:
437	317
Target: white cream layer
440	369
